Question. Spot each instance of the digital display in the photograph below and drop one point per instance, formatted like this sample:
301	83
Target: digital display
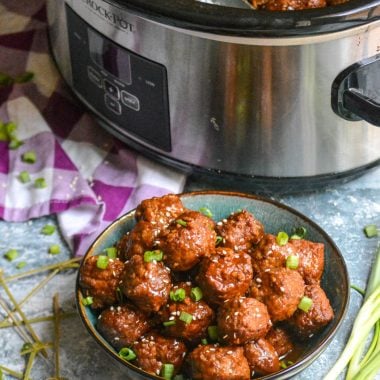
109	57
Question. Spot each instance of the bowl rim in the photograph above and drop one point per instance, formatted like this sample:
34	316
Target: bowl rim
295	368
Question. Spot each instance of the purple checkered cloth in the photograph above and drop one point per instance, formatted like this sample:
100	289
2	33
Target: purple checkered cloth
92	178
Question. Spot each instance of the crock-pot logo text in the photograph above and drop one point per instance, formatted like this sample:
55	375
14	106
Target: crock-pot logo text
110	16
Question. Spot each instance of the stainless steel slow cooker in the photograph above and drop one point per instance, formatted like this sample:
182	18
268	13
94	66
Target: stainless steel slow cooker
226	90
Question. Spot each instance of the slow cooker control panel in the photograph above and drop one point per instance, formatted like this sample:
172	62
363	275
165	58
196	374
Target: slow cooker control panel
125	89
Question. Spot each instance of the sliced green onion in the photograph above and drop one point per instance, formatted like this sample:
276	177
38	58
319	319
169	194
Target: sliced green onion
87	301
204	341
127	354
181	222
11	254
15	143
54	249
111	252
305	304
185	317
358	289
206	211
177	295
21	264
48	229
167	371
24	77
102	262
24	176
156	255
213	332
292	262
169	323
299	232
282	238
5	79
196	294
295	237
371	230
218	240
29	157
40	183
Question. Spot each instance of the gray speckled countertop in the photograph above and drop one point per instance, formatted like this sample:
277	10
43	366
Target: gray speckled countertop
342	210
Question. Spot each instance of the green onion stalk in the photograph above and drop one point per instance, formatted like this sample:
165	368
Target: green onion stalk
367	320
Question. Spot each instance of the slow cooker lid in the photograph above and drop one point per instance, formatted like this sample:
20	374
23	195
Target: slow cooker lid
202	16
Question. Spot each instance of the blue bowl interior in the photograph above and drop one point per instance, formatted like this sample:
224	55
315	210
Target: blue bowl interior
275	217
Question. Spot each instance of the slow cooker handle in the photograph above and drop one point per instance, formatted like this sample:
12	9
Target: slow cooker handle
362	106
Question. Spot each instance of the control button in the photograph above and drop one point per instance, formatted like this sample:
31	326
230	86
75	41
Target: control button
94	76
112	104
111	89
130	100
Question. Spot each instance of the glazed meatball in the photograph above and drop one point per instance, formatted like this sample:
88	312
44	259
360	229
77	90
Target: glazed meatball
160	211
240	231
143	237
225	275
262	357
319	315
122	325
146	284
280	339
190	237
211	362
153	351
281	289
268	254
175	312
101	284
242	319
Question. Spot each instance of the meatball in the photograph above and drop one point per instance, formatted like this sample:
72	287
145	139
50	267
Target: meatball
289	5
262	357
101	284
187	240
153	351
212	362
280	339
199	315
225	275
268	254
122	325
240	231
319	315
160	211
143	237
146	284
242	319
281	289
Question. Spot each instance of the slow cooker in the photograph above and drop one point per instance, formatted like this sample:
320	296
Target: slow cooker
226	90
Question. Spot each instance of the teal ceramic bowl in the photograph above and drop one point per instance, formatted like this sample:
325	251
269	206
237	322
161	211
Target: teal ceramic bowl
275	217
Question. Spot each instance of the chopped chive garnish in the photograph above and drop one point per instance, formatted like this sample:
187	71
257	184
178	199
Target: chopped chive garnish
127	354
169	323
292	262
305	304
11	254
87	301
24	176
24	77
29	157
54	249
167	371
196	294
40	183
282	238
185	317
177	295
111	252
156	255
21	264
206	211
371	230
204	341
213	332
48	229
181	222
218	240
102	262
